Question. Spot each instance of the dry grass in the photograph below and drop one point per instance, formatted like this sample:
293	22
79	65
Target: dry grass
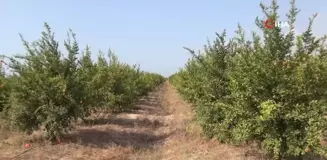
161	127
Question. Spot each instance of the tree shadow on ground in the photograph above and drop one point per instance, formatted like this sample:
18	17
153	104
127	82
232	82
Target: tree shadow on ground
104	139
150	103
134	137
125	122
148	109
154	101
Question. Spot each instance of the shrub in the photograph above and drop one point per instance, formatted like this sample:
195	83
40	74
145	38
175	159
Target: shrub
45	91
49	91
271	90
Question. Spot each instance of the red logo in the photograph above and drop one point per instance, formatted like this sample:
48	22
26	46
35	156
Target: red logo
270	24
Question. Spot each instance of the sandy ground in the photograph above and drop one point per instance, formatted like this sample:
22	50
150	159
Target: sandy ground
161	127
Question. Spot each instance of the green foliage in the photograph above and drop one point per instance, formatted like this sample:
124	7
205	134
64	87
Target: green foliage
48	90
271	90
4	89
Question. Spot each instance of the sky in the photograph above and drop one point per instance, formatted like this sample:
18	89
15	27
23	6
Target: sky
149	33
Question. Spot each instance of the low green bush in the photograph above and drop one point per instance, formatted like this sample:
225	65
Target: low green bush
271	89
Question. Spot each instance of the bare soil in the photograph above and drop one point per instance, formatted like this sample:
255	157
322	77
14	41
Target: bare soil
161	126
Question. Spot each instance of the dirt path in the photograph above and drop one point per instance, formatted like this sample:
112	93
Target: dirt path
161	127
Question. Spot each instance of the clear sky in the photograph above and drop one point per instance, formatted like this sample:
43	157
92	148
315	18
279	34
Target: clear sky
149	33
